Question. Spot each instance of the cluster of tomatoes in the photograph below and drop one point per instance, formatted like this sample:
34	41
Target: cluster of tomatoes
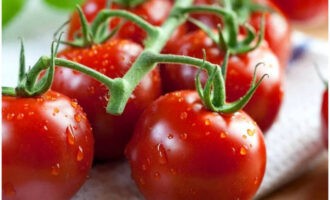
177	148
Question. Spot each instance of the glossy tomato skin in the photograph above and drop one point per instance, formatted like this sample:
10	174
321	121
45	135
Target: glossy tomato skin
47	147
180	150
305	12
325	118
277	28
266	102
113	59
154	11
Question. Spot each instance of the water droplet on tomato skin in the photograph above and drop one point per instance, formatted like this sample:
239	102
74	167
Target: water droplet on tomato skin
170	136
144	167
162	156
77	118
10	116
142	181
207	122
74	104
243	151
183	115
223	135
56	169
45	127
9	190
80	154
69	135
157	175
183	136
251	132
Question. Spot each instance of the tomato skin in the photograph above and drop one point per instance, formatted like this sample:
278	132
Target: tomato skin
325	118
264	105
154	11
180	150
40	158
113	59
307	12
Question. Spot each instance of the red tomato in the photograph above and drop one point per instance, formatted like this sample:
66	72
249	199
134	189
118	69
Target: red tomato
180	150
47	147
113	59
154	11
325	118
305	12
264	105
277	28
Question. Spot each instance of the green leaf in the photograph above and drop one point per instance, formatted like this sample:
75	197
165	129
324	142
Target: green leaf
64	4
10	8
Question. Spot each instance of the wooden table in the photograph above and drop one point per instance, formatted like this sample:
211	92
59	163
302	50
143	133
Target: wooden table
313	185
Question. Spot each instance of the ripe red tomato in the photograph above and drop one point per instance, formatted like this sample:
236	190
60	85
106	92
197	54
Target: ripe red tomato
264	105
277	28
154	11
113	59
180	150
305	12
325	117
47	147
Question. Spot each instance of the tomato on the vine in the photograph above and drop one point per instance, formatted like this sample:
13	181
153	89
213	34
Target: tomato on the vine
325	118
264	105
277	27
47	147
181	150
305	12
113	58
154	11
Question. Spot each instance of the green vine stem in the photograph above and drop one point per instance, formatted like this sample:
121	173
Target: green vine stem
120	89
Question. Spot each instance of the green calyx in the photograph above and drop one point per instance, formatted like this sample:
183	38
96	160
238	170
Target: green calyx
213	94
227	36
28	83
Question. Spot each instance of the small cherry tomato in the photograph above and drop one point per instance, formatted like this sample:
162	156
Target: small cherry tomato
47	147
181	150
113	59
266	102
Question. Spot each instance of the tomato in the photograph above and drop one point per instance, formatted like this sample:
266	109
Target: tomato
264	105
305	12
113	59
277	28
47	147
154	11
180	150
325	117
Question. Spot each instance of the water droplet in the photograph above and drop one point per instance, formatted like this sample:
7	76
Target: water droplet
243	151
91	90
69	135
74	104
180	99
207	133
45	127
244	136
193	124
9	189
223	135
256	180
157	175
170	136
26	106
56	169
183	136
31	113
20	116
207	122
183	115
144	167
80	154
10	116
251	132
77	117
142	181
162	159
40	99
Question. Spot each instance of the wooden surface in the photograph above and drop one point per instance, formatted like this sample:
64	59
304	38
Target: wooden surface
313	185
